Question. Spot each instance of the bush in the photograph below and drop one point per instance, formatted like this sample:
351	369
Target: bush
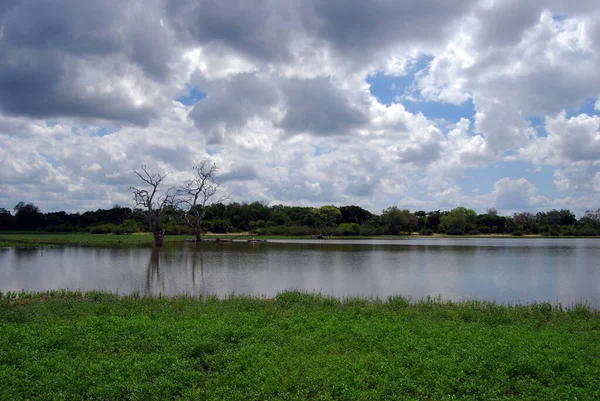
103	229
254	225
426	231
220	226
348	229
455	231
177	229
286	230
367	230
487	230
129	226
63	228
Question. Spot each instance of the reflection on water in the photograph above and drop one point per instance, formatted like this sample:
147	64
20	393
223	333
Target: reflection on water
502	270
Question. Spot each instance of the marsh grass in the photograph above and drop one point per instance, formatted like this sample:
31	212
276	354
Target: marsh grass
296	346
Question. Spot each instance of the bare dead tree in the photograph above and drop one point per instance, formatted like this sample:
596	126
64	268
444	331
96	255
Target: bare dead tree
153	200
196	194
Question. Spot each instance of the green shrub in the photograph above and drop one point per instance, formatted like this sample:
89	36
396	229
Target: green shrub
129	226
103	229
426	231
348	229
220	226
177	229
455	231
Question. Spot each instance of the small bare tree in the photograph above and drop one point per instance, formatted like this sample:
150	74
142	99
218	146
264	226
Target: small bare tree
195	195
153	200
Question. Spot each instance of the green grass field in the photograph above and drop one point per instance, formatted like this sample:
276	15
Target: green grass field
96	346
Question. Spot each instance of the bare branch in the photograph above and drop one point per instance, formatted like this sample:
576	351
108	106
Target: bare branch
196	193
152	200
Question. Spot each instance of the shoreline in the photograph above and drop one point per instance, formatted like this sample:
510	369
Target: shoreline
29	239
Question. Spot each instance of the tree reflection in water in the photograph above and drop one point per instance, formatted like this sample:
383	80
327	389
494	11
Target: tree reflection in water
176	272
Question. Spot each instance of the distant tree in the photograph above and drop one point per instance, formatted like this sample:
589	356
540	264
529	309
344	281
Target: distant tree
196	194
355	214
459	221
28	216
328	215
525	220
259	211
433	220
563	217
240	215
491	211
591	217
398	221
154	201
6	219
489	223
215	211
280	218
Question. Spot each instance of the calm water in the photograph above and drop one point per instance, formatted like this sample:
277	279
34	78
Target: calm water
501	270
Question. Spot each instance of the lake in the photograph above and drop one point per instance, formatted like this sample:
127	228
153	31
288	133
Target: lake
519	270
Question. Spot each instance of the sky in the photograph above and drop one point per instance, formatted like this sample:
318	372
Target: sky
420	104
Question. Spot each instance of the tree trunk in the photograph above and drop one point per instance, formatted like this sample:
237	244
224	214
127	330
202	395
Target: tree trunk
158	237
198	235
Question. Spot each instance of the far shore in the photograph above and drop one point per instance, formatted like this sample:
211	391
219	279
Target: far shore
38	238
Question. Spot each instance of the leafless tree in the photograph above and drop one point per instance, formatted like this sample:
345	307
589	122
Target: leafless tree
153	200
196	194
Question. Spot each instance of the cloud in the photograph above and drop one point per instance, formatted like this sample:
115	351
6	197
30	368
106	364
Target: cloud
287	80
516	195
75	59
317	106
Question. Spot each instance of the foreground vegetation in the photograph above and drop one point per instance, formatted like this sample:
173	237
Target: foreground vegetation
69	345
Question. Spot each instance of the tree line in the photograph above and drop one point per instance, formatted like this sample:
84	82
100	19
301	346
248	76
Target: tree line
192	208
261	219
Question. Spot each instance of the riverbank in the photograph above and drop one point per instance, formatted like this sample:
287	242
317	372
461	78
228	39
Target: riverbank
35	239
69	345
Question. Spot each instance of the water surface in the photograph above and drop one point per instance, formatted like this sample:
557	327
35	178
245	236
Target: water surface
519	270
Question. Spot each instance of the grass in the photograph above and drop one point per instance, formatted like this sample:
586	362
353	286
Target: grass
72	345
35	239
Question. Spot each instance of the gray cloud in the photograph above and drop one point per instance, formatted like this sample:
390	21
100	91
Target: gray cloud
421	154
316	106
68	58
361	29
259	29
239	173
231	102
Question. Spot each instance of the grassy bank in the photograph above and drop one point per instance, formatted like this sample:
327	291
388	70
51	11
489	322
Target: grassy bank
34	239
68	345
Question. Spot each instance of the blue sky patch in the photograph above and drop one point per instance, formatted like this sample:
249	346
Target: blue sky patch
446	111
588	107
390	89
322	151
103	131
538	124
214	151
194	94
53	162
